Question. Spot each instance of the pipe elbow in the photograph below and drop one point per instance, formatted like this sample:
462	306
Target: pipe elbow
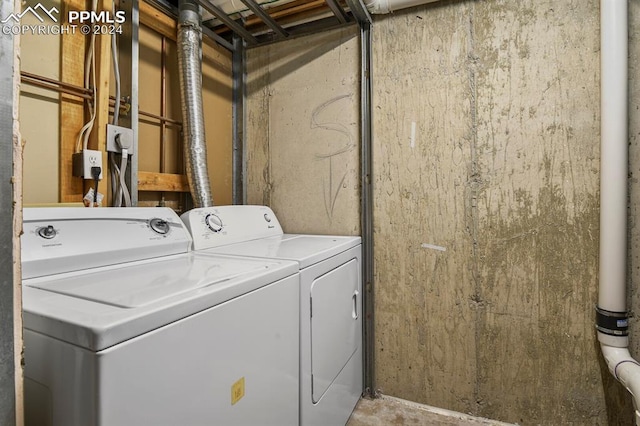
626	370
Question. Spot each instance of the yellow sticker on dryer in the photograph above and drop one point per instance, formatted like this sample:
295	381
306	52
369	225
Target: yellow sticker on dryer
237	391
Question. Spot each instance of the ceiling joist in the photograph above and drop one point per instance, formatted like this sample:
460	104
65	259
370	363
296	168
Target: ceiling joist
260	24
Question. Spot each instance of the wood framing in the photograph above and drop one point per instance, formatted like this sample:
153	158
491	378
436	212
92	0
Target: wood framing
157	21
71	107
74	113
149	181
98	137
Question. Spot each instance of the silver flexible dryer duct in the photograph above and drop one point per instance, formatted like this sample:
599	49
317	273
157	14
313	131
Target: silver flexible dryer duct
190	72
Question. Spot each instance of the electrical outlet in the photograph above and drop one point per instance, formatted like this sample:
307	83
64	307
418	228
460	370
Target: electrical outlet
84	161
119	138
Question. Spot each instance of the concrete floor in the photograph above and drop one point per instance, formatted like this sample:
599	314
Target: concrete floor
389	411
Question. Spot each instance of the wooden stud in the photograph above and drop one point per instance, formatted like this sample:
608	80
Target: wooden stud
98	137
149	181
158	21
71	108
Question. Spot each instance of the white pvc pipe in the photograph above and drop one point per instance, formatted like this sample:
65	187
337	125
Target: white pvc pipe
613	152
626	370
388	6
613	190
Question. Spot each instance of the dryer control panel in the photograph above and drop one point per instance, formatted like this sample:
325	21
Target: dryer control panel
221	225
63	239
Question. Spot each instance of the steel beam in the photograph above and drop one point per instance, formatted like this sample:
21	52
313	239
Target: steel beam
266	18
238	115
366	173
338	11
233	25
314	27
8	88
215	37
359	11
128	57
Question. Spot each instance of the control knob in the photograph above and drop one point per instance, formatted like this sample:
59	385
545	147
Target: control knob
47	232
213	222
159	226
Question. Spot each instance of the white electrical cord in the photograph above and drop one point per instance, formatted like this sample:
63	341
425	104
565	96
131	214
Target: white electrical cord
123	184
118	174
114	173
89	81
116	72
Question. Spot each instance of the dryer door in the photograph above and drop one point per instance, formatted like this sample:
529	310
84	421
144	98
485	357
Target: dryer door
335	324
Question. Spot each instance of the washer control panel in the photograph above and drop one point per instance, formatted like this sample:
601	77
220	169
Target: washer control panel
218	226
66	239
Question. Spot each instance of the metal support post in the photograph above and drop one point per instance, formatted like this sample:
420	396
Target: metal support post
238	113
9	297
367	206
128	57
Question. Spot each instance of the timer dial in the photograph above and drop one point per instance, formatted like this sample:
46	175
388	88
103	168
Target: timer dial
159	226
213	222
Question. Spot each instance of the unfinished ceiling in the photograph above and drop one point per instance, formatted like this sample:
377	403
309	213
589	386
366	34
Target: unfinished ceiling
259	22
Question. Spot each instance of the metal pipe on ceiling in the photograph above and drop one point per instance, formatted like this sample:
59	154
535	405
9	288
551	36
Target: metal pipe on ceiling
52	84
388	6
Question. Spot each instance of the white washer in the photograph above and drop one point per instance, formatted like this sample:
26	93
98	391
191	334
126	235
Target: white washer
331	374
124	326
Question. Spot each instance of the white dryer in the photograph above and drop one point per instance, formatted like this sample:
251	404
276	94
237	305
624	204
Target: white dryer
331	373
123	325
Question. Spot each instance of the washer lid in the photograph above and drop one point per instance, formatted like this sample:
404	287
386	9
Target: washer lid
101	307
304	249
137	286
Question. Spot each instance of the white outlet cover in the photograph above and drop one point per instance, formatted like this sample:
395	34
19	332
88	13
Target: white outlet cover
91	158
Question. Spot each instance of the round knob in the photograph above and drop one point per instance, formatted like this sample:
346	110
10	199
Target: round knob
267	217
47	232
160	226
214	222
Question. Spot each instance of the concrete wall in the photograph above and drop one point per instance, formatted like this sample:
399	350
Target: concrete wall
486	174
425	297
503	174
303	132
634	173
